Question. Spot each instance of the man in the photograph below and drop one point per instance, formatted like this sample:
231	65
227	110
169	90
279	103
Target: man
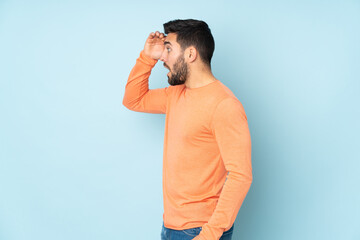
207	149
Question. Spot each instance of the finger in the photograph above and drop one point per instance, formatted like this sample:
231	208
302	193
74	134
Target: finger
151	35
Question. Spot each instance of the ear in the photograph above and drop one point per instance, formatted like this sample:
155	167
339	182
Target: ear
191	54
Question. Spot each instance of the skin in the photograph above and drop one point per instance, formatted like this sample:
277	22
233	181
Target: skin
184	66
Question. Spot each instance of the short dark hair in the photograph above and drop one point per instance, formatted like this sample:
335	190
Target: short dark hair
191	32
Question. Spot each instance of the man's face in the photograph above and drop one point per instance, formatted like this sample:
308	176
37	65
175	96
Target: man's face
173	58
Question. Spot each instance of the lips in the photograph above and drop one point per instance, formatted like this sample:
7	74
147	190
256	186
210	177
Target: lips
166	66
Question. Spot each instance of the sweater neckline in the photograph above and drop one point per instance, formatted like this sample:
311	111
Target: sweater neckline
202	87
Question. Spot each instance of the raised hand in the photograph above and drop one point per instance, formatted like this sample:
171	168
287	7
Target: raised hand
154	45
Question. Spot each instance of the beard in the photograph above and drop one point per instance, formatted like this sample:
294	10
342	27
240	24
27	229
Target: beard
180	73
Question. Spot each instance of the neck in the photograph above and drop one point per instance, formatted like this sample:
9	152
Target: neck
199	77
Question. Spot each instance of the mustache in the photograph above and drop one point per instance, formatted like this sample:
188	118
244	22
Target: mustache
166	66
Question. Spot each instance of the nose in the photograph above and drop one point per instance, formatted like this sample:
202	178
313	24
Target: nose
163	56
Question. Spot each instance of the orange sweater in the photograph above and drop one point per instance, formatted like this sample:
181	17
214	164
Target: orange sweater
207	150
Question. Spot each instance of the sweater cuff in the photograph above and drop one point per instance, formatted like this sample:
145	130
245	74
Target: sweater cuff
210	233
147	60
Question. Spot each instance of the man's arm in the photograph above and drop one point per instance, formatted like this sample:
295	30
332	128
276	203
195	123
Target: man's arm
230	128
138	97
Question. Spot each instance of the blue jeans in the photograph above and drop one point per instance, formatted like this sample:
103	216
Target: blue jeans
188	234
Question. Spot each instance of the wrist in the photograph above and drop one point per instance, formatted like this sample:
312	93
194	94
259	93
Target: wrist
147	58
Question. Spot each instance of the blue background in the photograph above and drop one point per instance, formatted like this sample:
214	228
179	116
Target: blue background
76	164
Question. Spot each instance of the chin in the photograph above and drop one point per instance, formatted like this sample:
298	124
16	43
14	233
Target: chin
169	81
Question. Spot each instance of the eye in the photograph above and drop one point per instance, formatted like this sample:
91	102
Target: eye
168	49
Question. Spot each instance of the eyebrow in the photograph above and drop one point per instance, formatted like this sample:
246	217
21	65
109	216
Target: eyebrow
166	42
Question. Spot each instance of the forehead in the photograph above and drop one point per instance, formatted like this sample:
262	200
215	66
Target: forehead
171	38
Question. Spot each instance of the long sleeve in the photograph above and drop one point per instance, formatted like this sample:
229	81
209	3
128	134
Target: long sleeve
138	97
230	128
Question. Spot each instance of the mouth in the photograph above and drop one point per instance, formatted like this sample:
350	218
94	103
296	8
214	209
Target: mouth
168	69
165	66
